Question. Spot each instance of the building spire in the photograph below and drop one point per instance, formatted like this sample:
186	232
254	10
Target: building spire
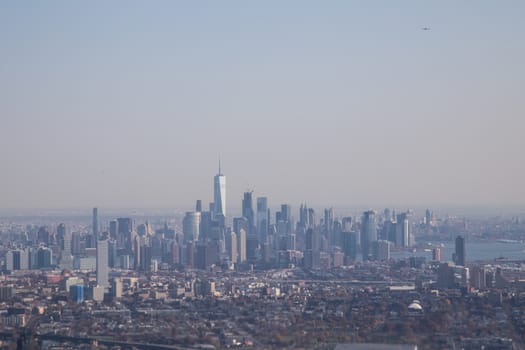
220	165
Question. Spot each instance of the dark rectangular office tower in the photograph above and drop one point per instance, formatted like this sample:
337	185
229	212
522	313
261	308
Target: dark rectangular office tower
124	225
247	210
113	229
459	256
368	233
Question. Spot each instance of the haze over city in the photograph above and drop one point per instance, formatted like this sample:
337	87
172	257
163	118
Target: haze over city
131	104
205	175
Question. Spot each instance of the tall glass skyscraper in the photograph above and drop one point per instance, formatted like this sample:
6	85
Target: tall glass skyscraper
102	263
219	193
262	218
247	208
368	233
66	259
95	226
191	226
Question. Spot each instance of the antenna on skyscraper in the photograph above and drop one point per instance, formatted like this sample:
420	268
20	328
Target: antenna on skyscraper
220	165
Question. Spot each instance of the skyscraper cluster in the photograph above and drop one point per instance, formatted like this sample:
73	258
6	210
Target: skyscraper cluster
208	238
258	238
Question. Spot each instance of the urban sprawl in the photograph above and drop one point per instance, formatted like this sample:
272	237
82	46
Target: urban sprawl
260	280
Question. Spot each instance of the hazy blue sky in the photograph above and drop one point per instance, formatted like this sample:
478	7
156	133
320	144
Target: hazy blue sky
130	103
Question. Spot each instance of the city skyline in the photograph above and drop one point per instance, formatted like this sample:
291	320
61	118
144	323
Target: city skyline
345	105
236	206
293	174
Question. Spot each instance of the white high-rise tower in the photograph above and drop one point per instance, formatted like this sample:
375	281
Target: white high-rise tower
219	193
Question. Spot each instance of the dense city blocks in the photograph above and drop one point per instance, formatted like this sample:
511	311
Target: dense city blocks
261	280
